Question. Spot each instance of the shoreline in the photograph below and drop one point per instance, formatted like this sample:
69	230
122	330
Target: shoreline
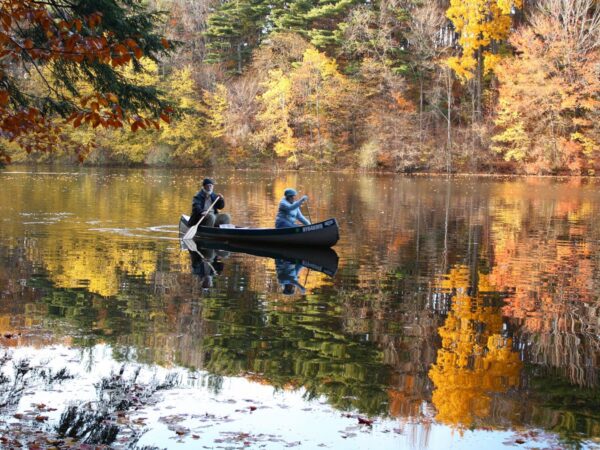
348	171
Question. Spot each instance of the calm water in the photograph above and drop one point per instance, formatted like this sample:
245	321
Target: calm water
462	313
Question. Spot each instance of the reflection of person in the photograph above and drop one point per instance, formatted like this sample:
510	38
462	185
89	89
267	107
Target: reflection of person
206	265
201	204
289	210
287	275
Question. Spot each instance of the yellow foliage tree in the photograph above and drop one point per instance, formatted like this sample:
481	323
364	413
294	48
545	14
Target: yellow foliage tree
216	111
321	93
480	23
304	112
187	135
275	116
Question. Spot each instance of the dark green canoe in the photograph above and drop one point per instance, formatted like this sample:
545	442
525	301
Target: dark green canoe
321	234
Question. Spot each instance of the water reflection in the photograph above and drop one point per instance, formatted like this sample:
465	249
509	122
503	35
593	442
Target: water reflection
476	360
453	300
206	262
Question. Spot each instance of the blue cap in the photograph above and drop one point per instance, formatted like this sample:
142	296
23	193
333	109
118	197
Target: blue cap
289	192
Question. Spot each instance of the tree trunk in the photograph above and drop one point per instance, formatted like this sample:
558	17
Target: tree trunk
421	115
449	119
479	85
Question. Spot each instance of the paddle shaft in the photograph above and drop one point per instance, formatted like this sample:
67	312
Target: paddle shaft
192	231
308	211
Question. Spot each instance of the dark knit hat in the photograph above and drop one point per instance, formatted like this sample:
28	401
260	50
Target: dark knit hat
207	181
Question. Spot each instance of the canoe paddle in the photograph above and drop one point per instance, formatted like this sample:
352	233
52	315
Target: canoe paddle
308	211
192	231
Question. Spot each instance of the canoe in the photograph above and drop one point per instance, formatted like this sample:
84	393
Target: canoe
320	259
321	234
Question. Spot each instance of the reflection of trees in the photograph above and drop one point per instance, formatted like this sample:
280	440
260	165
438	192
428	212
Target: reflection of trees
367	338
296	346
547	258
475	360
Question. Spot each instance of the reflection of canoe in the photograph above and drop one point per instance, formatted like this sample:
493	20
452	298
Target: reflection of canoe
320	259
321	234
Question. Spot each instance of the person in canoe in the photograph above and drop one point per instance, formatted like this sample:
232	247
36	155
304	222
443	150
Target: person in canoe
201	207
289	210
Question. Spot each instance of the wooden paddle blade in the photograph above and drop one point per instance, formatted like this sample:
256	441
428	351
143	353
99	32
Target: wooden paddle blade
191	232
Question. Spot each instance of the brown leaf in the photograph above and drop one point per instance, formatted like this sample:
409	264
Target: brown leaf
364	421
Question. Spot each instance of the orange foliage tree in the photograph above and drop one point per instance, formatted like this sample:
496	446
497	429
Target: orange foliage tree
548	95
66	43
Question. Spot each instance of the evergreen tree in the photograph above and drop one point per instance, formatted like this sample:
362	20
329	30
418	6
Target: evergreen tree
237	27
234	30
74	42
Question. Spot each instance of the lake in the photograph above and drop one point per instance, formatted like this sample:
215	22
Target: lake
454	313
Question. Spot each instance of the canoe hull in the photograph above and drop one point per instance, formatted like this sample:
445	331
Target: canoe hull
321	234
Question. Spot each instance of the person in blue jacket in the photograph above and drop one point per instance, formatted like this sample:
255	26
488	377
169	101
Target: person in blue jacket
289	210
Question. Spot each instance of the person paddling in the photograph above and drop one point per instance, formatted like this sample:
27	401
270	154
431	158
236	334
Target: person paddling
289	210
201	203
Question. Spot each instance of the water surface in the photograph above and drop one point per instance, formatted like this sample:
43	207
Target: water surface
462	311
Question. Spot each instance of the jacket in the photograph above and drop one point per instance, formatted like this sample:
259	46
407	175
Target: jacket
291	211
198	201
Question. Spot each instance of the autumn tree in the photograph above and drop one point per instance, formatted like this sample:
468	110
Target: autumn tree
548	96
304	112
482	26
87	40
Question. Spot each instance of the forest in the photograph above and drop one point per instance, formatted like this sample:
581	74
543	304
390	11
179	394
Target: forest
472	86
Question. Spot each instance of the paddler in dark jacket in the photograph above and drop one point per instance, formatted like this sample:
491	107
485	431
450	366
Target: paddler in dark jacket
201	206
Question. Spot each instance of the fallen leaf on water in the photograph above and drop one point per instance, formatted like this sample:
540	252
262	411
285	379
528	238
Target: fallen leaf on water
252	408
364	421
41	418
